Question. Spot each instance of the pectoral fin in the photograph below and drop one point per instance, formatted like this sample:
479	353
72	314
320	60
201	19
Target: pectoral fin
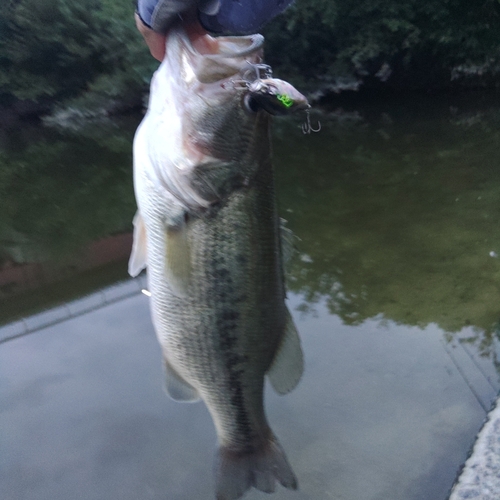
176	387
178	259
137	261
288	364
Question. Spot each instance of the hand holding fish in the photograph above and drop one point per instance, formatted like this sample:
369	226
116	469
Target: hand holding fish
155	41
155	17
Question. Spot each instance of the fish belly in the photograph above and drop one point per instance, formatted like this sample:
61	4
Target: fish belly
221	337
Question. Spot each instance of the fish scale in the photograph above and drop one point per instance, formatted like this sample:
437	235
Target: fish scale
187	325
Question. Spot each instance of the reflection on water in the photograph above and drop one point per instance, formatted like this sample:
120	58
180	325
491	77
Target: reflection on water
399	216
65	201
396	207
61	192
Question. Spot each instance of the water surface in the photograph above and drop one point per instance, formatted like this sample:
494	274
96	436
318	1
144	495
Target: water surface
394	289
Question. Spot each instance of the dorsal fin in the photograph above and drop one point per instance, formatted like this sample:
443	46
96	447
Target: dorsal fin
288	242
288	364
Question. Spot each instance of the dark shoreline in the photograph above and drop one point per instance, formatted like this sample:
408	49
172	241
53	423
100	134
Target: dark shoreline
349	97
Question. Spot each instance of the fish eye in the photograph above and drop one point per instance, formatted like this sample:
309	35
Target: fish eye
250	104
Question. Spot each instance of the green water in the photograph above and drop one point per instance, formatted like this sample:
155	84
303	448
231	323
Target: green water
396	204
398	211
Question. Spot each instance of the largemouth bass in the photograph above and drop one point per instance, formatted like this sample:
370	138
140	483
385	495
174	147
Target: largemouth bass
208	232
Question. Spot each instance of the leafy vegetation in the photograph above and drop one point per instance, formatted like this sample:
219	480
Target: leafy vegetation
87	53
61	50
411	44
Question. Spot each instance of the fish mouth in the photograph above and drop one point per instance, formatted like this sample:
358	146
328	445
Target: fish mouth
215	67
213	59
239	60
202	43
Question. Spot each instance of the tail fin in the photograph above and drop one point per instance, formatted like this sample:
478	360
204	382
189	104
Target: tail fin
236	472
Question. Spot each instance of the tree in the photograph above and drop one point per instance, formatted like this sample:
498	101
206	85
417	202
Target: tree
411	44
55	50
89	54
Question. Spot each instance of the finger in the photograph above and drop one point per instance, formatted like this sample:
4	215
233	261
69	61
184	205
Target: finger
155	41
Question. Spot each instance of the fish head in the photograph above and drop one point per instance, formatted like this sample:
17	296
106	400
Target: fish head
213	93
213	105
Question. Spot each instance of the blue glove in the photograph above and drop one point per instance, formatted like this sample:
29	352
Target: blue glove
237	17
159	14
242	17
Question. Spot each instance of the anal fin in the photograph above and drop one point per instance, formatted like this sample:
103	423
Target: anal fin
176	387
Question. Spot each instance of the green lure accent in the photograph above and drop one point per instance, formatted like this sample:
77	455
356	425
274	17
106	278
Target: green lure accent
285	100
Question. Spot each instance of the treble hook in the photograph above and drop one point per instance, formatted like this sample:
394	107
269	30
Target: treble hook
307	127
